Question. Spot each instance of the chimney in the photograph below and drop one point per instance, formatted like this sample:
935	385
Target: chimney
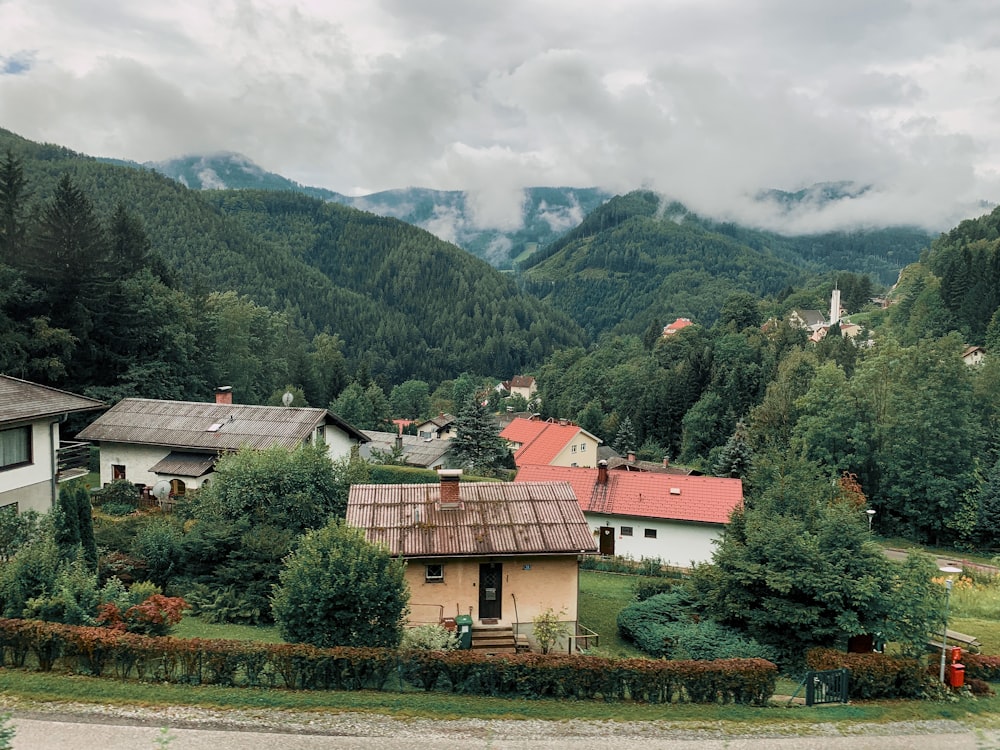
450	499
666	461
631	457
399	442
602	472
224	394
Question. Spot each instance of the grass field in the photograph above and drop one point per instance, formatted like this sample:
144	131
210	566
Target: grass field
22	688
602	596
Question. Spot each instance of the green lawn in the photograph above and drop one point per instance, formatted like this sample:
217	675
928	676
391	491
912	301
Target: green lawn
602	596
193	627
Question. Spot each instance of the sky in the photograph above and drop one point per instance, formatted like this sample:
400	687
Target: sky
706	101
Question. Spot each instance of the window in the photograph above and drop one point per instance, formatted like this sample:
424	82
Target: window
434	573
626	531
117	471
583	447
15	447
649	533
572	448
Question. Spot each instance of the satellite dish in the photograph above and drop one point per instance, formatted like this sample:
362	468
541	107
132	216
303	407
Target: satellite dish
161	490
288	398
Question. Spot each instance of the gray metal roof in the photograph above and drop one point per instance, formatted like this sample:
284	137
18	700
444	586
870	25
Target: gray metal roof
417	451
185	464
210	426
22	401
496	518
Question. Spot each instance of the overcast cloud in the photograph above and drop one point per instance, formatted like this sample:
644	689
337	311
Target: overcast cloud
707	101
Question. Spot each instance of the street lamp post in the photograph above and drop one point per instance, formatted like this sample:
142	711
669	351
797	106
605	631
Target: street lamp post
947	600
871	515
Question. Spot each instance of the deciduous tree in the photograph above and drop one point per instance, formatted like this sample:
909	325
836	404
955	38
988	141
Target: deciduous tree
336	589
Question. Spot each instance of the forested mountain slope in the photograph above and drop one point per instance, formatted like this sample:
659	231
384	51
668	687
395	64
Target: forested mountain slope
402	301
452	215
637	259
956	287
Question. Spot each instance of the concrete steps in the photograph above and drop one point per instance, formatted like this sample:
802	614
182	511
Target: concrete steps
497	639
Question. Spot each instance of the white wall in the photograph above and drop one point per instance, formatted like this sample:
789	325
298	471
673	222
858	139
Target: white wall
676	543
338	442
30	486
137	459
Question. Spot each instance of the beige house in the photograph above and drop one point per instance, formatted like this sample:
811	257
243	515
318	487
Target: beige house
174	444
500	552
550	442
33	457
524	386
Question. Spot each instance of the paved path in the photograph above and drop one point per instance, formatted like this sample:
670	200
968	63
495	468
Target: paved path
72	733
955	561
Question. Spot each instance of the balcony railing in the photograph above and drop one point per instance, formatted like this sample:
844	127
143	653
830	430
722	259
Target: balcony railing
72	460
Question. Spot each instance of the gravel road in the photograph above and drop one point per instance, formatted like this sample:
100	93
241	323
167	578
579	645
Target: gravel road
72	727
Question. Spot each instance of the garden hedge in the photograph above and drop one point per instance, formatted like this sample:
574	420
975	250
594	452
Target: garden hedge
100	651
875	675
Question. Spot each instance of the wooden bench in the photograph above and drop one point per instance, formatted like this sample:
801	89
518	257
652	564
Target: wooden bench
968	642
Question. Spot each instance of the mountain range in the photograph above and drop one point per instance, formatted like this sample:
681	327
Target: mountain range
455	216
601	263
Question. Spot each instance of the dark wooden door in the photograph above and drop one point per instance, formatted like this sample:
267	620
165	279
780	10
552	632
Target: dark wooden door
607	543
490	589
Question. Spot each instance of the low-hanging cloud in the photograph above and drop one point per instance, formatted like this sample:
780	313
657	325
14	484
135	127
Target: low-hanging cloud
707	102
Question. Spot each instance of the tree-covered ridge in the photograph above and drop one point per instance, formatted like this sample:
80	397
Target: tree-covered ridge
403	303
441	311
966	262
546	212
639	268
639	259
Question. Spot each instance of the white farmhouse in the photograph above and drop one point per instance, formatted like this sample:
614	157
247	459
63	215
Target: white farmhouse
149	442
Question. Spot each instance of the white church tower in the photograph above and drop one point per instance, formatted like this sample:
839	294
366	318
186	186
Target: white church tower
835	306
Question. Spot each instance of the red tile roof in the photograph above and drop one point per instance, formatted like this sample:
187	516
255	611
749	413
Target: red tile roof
522	430
676	326
645	494
540	442
495	518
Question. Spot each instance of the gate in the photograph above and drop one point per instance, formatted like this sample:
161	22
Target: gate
826	687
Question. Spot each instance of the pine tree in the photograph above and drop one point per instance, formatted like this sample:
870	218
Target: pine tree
477	444
736	458
13	197
625	440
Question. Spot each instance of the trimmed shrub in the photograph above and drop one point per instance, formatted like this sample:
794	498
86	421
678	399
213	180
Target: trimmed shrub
300	666
875	675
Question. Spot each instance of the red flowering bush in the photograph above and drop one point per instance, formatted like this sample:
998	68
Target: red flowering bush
155	615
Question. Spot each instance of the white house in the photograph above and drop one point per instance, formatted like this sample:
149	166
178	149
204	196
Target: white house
149	441
441	427
640	514
33	458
